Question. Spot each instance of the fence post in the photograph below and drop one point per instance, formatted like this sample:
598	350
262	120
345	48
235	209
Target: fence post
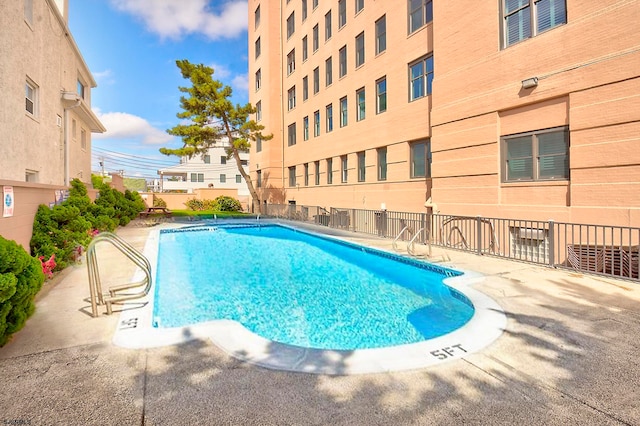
552	244
479	234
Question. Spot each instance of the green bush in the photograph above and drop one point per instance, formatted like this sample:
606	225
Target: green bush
72	224
224	203
159	202
21	278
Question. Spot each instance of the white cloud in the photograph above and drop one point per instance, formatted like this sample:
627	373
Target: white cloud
177	18
104	77
121	125
240	83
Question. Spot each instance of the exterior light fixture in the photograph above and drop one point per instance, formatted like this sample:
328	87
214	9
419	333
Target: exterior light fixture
530	83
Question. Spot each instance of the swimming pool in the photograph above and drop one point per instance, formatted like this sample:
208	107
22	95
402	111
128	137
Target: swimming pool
137	319
300	289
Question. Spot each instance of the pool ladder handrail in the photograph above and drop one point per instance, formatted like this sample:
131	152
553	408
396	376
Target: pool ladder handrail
395	240
412	243
95	285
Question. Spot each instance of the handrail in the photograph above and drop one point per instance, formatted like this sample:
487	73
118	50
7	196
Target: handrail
95	285
411	245
395	240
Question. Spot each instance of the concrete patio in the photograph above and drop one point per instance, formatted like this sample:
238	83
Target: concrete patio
569	355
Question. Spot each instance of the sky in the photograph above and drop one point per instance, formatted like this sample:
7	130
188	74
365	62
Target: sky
131	48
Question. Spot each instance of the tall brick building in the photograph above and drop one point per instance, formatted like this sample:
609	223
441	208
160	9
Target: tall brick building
516	108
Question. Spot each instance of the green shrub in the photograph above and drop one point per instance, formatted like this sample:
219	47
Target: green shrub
224	203
194	204
21	278
67	226
159	202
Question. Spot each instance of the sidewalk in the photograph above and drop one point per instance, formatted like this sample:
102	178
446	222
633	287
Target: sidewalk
569	356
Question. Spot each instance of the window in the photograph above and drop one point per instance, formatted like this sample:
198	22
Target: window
258	110
291	24
28	11
305	48
316	35
256	17
304	10
291	61
80	89
305	88
329	114
316	123
223	178
359	5
381	34
344	112
360	49
197	177
291	134
315	3
420	14
535	156
206	159
31	98
328	67
292	176
259	179
305	128
258	80
31	176
344	172
244	162
342	13
258	144
306	174
421	78
317	170
382	163
291	97
83	139
342	59
360	97
238	178
223	160
329	171
257	48
327	26
316	80
527	18
381	95
420	159
361	167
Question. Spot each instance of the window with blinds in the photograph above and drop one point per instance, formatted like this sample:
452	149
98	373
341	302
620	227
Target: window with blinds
536	156
523	19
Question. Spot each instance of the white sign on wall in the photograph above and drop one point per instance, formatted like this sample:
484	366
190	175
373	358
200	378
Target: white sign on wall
7	201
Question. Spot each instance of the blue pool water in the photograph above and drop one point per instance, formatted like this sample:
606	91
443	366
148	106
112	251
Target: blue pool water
296	288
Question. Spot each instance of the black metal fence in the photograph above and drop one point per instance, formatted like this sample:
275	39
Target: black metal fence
598	249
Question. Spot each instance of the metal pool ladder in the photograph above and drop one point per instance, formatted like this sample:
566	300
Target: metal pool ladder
411	247
95	285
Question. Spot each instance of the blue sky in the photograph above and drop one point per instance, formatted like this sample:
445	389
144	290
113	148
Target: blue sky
131	47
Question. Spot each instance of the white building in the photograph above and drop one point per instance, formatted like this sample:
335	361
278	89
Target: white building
211	170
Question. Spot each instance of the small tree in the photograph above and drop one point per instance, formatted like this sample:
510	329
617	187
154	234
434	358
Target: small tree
212	117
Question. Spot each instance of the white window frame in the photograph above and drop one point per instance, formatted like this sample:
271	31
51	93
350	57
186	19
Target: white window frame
381	95
420	14
31	98
361	104
381	34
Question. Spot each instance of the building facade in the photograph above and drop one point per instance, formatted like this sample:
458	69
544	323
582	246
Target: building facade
211	170
45	111
523	109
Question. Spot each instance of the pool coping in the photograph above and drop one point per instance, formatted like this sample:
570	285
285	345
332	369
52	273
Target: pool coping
135	331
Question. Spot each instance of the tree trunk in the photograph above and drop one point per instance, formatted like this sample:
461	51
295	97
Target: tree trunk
247	179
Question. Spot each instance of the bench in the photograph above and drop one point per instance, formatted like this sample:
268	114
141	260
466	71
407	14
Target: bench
150	211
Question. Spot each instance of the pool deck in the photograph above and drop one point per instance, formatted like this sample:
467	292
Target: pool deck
570	354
